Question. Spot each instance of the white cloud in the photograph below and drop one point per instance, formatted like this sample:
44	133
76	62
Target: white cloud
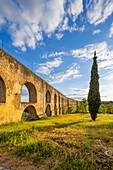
2	21
106	93
111	30
109	76
53	15
81	28
87	52
47	68
105	55
77	93
107	64
96	31
65	27
74	27
54	54
71	72
59	36
80	93
75	9
99	10
28	21
23	48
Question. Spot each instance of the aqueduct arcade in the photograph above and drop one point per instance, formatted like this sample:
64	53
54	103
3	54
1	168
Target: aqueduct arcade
43	98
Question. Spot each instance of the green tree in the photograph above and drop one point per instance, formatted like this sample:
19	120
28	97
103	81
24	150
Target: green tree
102	108
94	95
83	106
71	110
109	108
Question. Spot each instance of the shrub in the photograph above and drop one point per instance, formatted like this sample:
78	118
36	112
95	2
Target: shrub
83	106
71	109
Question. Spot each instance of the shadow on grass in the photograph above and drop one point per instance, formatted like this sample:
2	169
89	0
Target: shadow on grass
76	124
19	136
101	126
57	125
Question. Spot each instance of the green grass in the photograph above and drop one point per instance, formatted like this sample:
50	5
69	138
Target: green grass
68	142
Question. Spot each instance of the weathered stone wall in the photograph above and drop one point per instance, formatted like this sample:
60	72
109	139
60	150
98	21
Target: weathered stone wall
14	75
73	103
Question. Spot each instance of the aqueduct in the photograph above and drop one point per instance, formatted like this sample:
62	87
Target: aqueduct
43	98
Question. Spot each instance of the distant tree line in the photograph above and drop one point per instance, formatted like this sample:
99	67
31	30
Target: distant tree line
108	108
104	108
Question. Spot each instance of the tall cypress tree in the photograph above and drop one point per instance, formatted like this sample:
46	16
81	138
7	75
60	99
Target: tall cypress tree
94	95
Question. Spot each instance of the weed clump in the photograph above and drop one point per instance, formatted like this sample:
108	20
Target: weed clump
41	150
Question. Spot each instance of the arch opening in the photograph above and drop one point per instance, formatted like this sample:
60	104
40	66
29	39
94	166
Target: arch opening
2	91
62	101
55	109
55	106
30	113
48	97
59	100
28	94
25	94
59	106
48	110
55	98
63	109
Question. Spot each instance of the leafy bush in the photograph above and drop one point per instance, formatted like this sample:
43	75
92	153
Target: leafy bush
71	110
63	110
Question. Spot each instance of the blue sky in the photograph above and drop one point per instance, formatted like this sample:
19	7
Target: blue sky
56	39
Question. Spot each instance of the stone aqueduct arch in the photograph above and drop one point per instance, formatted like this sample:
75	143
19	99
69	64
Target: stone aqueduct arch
32	92
2	91
43	98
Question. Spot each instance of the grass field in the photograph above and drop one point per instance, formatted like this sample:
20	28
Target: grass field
68	142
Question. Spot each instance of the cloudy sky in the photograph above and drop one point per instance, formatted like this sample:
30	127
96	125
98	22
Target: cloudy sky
56	39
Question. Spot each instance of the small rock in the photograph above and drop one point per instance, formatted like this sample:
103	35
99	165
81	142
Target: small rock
107	141
1	168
